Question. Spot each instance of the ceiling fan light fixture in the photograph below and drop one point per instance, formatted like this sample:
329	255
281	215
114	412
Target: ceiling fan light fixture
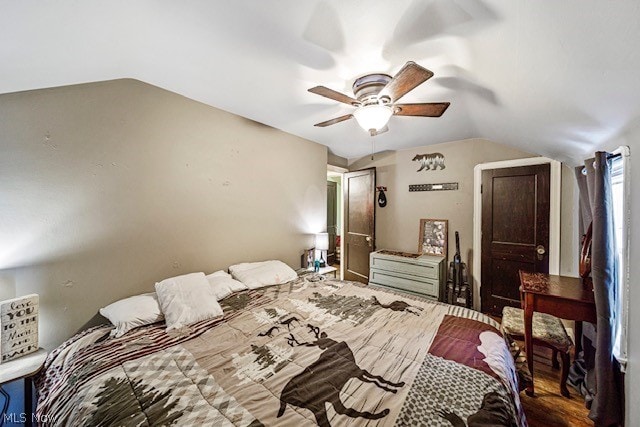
373	117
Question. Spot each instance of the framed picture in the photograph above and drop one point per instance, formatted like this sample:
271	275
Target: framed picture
433	237
308	257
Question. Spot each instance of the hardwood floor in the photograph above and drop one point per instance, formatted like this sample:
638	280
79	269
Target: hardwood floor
548	407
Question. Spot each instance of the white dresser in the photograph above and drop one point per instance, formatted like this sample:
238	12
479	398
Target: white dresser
421	275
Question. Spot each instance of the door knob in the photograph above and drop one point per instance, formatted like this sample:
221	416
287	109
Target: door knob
368	239
540	250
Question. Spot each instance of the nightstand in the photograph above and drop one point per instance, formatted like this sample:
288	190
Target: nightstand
24	367
324	271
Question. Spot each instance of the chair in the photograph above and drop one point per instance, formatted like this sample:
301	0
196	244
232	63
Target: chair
548	331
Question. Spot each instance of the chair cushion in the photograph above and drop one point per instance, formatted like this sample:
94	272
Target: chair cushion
546	328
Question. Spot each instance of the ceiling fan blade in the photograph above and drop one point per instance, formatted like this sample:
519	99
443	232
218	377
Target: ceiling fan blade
334	121
408	78
430	109
332	94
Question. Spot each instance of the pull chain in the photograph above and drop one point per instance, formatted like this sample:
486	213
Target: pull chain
372	132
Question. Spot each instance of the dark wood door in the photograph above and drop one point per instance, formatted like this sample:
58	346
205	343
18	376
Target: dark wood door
332	219
515	231
359	190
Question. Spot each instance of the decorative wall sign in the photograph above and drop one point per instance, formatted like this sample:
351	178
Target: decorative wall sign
433	237
18	327
430	161
434	187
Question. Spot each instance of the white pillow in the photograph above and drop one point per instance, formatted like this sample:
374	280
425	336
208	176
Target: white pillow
132	312
223	284
259	274
187	299
219	273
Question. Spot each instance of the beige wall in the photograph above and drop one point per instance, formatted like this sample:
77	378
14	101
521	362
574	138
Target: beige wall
109	187
397	224
569	235
338	161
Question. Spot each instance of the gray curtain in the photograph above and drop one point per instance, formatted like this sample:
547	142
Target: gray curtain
596	372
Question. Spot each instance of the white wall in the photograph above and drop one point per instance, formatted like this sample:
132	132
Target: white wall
106	188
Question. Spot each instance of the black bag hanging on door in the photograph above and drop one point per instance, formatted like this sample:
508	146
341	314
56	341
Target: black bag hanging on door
382	198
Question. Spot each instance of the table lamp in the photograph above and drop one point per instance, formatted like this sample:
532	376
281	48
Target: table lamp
322	244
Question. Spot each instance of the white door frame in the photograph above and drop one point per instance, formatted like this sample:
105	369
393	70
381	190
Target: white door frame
555	186
341	172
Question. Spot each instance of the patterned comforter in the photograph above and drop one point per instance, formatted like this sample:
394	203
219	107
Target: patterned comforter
310	352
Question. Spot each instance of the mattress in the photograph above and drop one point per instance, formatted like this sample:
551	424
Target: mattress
314	351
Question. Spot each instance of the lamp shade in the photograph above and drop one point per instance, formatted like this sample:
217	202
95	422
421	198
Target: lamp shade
373	116
322	241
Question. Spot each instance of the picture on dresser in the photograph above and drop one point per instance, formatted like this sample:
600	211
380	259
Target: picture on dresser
308	257
433	237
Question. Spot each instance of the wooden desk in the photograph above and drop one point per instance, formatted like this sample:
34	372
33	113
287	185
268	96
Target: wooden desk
565	297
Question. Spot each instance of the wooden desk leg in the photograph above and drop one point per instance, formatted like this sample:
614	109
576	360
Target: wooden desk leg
528	334
28	400
578	337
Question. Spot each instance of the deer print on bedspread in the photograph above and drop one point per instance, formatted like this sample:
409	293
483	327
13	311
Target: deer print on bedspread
399	305
304	353
353	308
493	412
341	368
321	382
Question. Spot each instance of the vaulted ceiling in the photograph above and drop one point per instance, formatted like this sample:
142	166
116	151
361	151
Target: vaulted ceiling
557	78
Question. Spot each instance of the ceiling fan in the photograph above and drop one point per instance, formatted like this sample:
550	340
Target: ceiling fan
377	95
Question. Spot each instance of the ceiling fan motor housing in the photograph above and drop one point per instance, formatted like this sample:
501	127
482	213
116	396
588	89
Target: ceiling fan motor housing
367	88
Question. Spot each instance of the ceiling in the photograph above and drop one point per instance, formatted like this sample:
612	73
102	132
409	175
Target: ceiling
557	78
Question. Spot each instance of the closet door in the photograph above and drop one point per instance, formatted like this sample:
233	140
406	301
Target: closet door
359	223
515	231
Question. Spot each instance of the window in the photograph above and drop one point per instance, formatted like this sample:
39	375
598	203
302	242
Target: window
621	218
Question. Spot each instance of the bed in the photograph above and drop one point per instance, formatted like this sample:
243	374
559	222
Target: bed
313	351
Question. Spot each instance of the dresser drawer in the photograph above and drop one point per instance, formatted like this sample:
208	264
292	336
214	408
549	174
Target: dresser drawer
407	282
425	270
